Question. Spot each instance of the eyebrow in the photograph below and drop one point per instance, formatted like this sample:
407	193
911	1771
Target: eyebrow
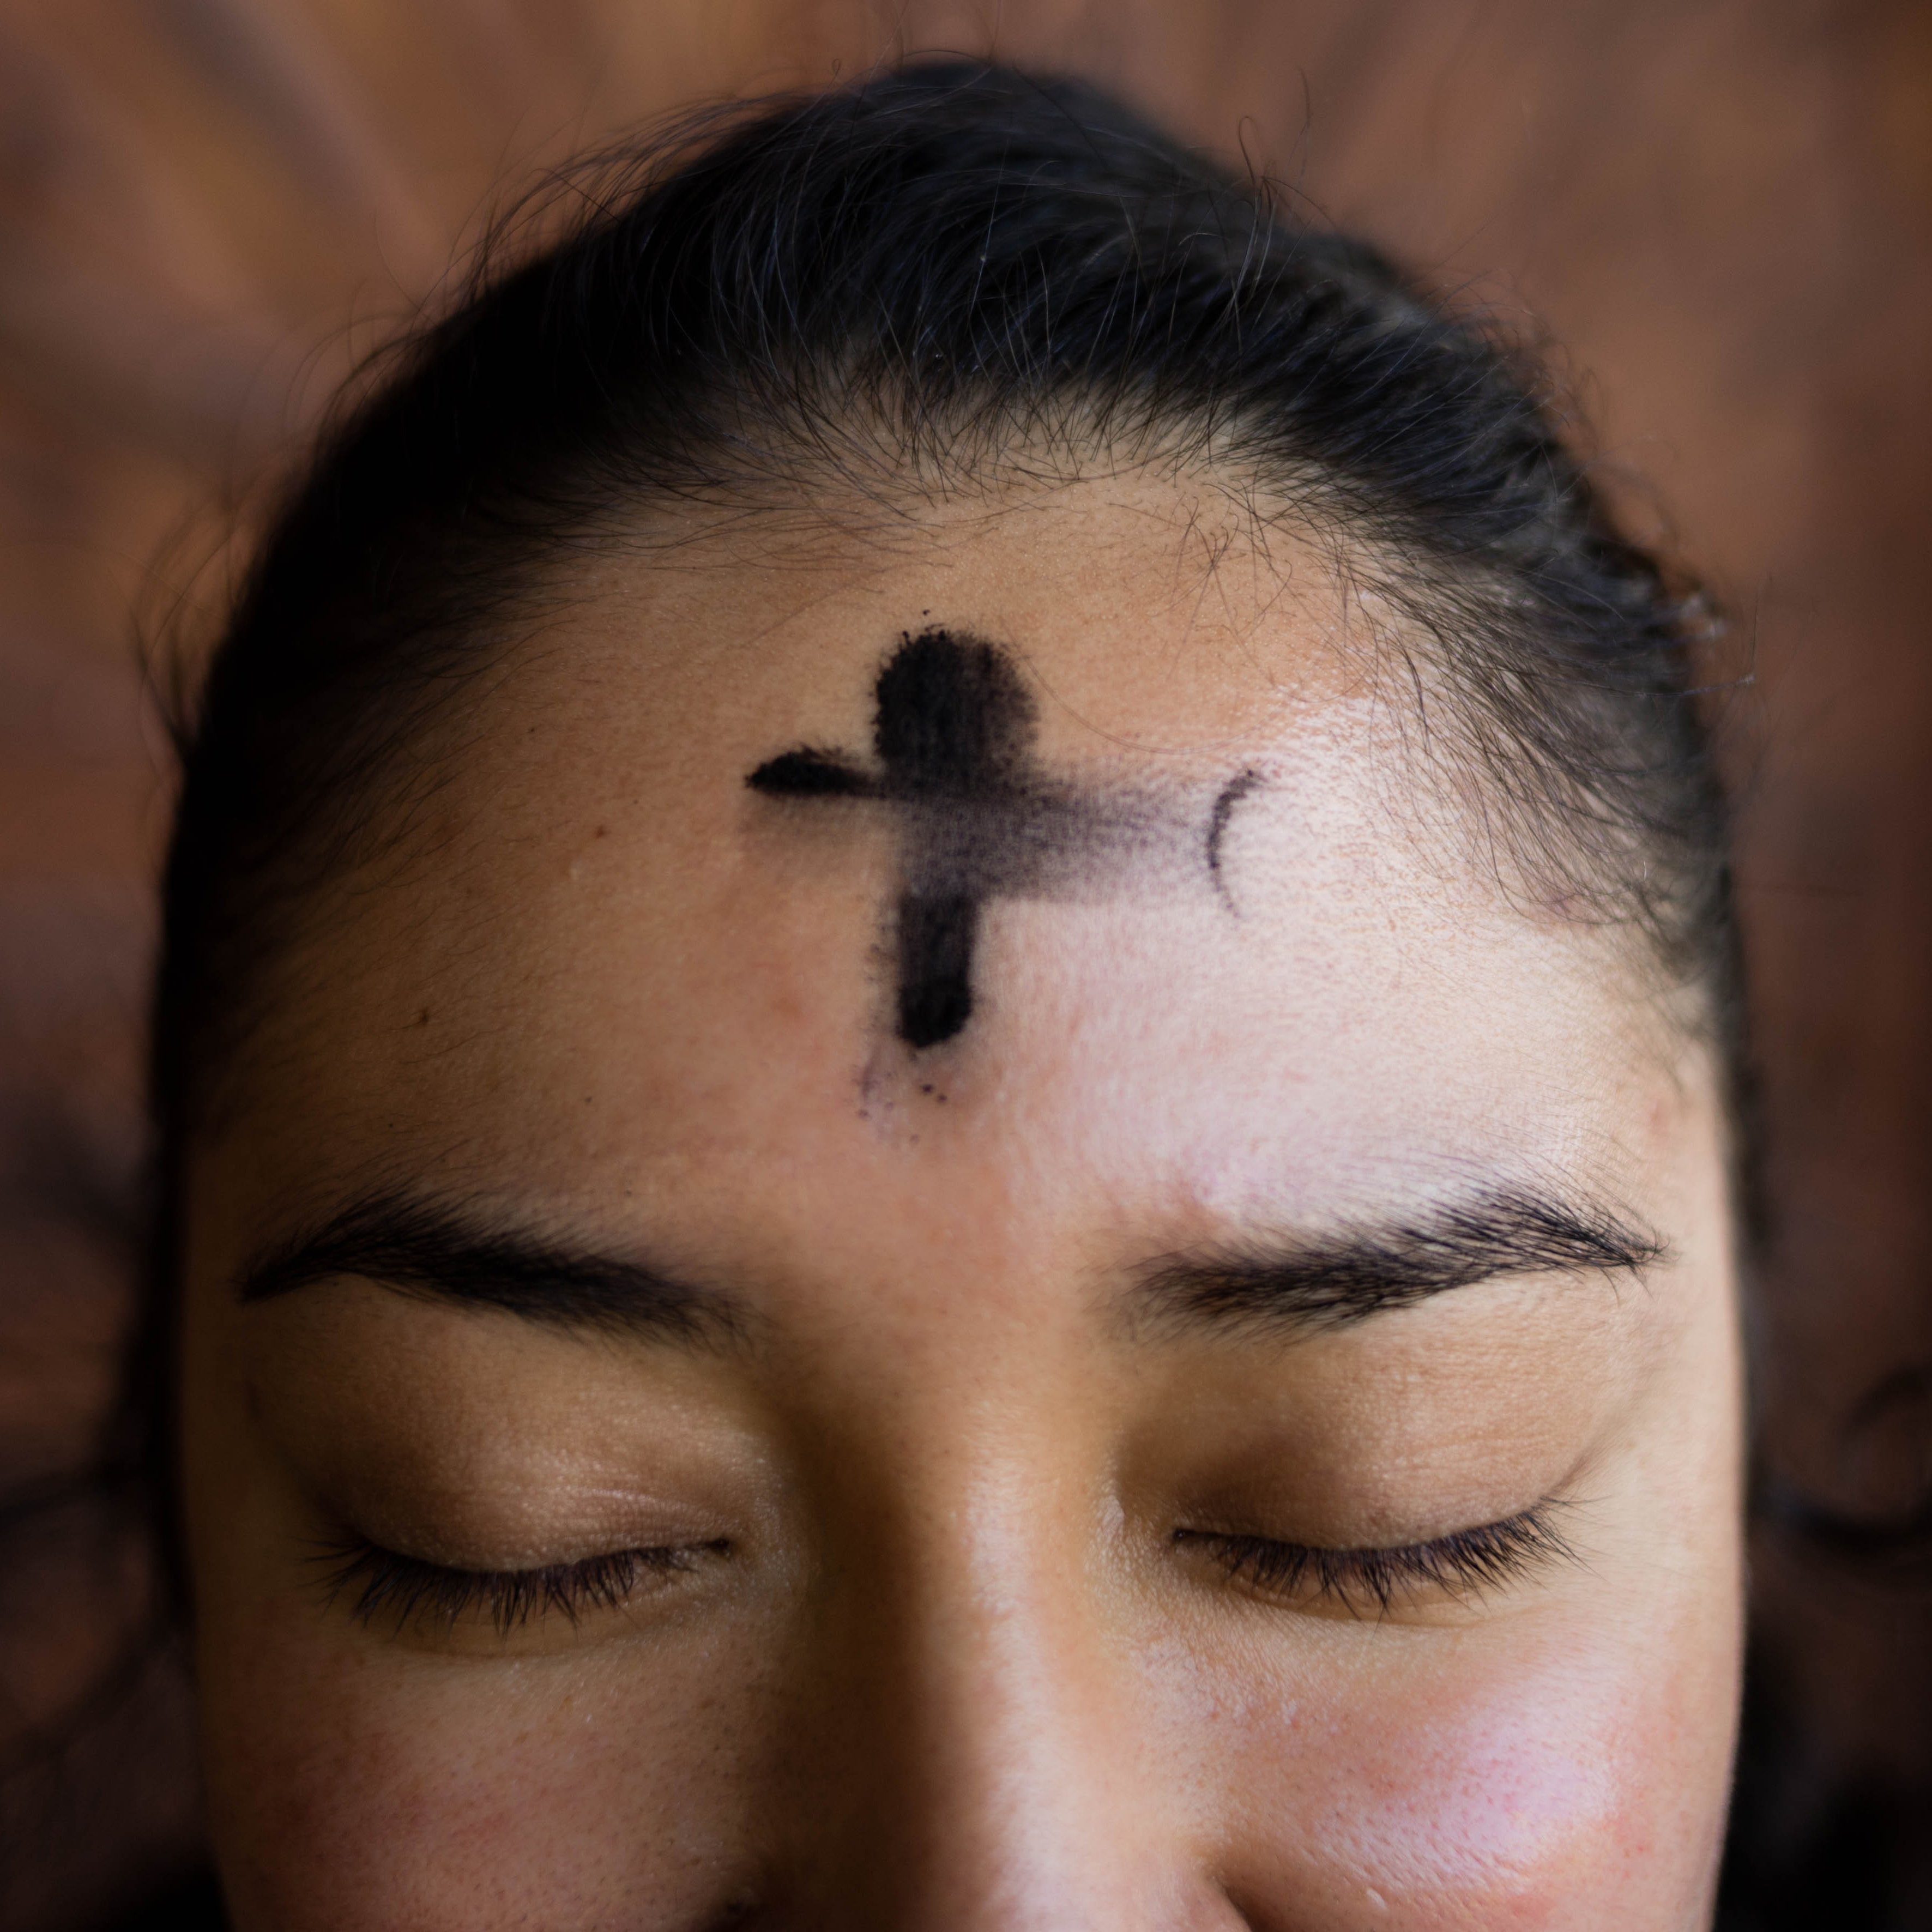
1338	1280
460	1254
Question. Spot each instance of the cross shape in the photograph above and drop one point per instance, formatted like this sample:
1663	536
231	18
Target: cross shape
953	733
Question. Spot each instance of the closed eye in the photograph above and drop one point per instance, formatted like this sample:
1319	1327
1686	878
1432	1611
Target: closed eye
382	1585
1465	1563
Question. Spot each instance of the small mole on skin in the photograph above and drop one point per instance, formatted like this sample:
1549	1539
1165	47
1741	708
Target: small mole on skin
422	1019
601	831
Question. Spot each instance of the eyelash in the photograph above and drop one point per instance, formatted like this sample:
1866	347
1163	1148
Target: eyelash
384	1584
1467	1562
1464	1563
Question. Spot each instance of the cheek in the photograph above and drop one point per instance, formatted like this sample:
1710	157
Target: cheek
349	1791
1496	1813
1551	1784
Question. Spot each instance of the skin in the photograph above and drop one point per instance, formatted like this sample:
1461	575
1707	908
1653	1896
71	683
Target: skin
941	1659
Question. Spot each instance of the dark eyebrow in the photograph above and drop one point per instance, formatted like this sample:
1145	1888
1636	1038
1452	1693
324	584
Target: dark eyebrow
449	1253
1334	1281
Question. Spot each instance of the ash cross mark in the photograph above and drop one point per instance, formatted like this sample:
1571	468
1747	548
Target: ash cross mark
953	733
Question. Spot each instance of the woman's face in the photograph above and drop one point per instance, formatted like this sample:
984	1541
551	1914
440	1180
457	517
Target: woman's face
1054	1311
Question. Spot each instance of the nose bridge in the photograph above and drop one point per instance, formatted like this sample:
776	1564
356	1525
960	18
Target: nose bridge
1005	1661
992	1733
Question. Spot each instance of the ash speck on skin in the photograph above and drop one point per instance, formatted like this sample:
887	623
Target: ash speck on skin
1230	795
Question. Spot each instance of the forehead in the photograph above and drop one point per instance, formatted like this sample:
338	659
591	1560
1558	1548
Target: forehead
599	951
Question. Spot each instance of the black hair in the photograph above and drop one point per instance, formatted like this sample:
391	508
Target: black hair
945	277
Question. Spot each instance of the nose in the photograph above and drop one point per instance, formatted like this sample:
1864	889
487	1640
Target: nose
989	1758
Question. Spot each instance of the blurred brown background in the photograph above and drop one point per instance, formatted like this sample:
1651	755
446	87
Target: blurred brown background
1718	209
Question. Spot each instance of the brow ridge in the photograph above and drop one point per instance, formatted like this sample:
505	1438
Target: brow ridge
1338	1280
465	1256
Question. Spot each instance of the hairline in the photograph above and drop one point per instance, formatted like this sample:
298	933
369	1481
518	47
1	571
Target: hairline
540	592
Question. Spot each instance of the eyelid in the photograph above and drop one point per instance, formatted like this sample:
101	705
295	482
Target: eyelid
387	1584
1464	1564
